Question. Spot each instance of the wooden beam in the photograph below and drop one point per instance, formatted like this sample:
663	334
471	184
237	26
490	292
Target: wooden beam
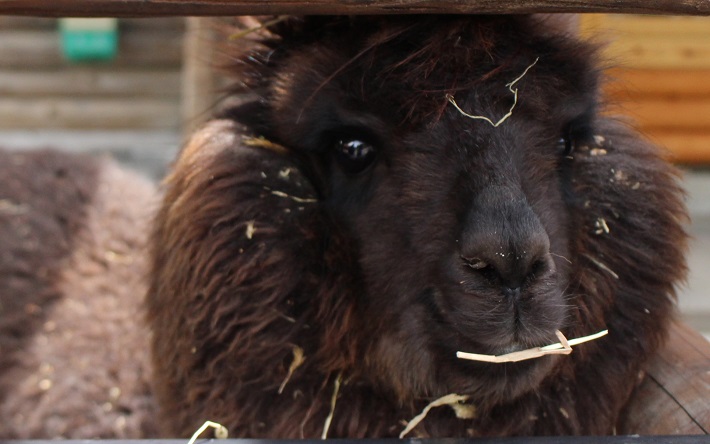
40	49
199	79
155	8
672	399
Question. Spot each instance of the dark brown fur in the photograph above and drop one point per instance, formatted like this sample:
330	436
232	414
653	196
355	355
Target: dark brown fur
257	252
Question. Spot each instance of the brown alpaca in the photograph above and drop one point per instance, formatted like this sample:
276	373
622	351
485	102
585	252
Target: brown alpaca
73	349
353	212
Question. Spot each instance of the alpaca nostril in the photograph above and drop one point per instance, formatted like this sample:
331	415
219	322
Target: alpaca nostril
475	263
542	266
509	271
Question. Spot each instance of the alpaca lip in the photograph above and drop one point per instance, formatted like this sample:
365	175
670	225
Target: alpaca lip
515	347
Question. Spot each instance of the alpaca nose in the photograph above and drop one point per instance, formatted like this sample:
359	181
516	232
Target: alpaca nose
511	270
507	244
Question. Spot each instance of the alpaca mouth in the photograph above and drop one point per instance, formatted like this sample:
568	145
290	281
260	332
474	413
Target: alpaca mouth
506	328
512	348
516	342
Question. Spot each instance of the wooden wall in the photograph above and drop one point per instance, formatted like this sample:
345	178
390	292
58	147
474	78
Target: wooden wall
662	77
140	89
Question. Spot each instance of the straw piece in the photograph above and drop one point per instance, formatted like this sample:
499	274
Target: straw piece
577	341
449	399
246	32
298	360
261	142
333	400
249	233
294	198
450	98
564	347
220	431
602	266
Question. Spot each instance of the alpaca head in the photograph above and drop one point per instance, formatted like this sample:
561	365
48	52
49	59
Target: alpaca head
459	223
398	189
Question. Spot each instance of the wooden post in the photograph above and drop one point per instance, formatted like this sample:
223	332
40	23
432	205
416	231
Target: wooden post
198	78
147	8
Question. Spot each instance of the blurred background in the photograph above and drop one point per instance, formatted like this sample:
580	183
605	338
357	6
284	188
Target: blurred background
661	80
132	88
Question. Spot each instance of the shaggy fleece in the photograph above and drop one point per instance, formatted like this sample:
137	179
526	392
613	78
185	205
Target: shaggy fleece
74	355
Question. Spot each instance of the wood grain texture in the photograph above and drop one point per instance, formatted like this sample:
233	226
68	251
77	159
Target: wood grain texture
639	84
691	149
670	106
674	397
669	113
40	49
146	8
81	81
81	113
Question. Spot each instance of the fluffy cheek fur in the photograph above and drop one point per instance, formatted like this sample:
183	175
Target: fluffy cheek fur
255	277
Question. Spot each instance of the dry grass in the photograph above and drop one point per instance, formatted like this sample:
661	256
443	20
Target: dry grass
564	347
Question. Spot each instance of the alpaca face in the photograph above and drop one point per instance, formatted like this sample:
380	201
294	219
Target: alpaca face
460	225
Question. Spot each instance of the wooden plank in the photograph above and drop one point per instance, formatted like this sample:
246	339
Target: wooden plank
199	79
125	25
675	395
636	84
672	419
8	22
143	8
89	114
644	25
684	371
506	440
40	49
660	52
99	81
688	148
155	24
657	114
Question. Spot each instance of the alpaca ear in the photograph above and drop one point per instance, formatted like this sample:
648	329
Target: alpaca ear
558	24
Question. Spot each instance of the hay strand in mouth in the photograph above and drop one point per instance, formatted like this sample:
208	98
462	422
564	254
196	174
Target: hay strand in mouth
576	341
564	347
510	85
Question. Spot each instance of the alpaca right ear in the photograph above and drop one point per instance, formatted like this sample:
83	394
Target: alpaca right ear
558	24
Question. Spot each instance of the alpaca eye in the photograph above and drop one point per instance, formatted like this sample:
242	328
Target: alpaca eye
566	145
354	156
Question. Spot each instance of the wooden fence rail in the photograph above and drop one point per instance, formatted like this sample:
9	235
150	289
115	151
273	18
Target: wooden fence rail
155	8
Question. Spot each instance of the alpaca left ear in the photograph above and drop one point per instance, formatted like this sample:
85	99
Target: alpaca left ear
561	24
